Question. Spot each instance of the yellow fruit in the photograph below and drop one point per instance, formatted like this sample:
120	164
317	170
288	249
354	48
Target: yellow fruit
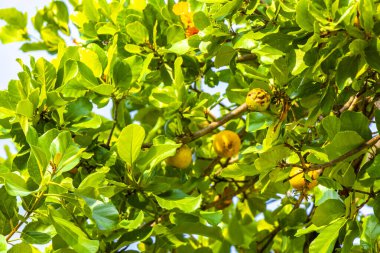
299	183
226	143
258	100
182	159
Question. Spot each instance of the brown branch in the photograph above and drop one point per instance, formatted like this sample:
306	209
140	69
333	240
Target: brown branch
26	216
231	115
343	157
246	57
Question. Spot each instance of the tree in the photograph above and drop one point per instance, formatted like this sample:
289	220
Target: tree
83	183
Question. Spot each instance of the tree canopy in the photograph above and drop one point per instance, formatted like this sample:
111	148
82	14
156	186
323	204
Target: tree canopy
237	126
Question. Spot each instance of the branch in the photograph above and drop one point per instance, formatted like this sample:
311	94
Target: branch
343	157
231	115
246	57
26	216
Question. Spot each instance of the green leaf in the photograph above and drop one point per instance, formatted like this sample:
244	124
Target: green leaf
201	20
24	248
238	170
77	109
226	10
74	236
122	74
105	215
25	108
90	10
213	218
66	154
129	143
132	224
198	229
280	71
37	163
15	185
366	10
370	234
259	120
3	244
164	97
329	183
138	32
156	154
46	75
373	170
356	121
346	71
352	232
224	56
174	33
62	15
14	17
178	199
331	124
303	17
377	118
93	123
343	142
328	211
235	233
269	159
34	237
8	204
91	59
376	207
372	54
179	81
140	235
325	241
180	47
10	34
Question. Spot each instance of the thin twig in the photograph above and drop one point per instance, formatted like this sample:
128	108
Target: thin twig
343	157
231	115
352	152
26	216
115	115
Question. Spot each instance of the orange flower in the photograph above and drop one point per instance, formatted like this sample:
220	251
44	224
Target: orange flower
190	31
181	8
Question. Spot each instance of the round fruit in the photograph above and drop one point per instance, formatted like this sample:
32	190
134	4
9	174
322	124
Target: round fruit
299	182
182	158
258	100
226	143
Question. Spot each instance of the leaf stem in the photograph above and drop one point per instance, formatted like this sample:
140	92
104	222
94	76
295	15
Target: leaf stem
115	115
26	216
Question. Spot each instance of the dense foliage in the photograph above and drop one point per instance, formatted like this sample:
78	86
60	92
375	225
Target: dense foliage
179	74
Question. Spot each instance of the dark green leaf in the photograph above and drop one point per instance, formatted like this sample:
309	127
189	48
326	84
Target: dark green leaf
224	56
